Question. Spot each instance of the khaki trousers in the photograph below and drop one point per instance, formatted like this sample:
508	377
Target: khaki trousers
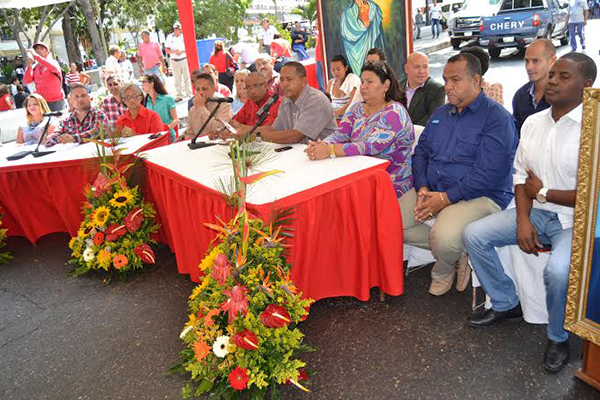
444	239
181	75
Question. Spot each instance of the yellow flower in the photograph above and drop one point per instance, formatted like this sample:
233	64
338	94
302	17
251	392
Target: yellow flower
198	289
191	321
209	260
101	215
104	259
121	198
72	242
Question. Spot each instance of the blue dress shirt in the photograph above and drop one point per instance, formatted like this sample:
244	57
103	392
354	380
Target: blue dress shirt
524	106
468	154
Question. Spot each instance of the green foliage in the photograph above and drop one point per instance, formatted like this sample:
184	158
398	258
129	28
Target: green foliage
308	12
4	257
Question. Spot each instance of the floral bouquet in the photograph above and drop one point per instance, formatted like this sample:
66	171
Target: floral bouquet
242	333
118	226
4	257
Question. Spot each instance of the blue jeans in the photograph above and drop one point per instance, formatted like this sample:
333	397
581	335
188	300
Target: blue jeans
435	23
301	50
320	78
418	32
499	230
155	71
576	28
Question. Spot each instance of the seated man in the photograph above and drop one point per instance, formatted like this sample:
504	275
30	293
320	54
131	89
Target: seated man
305	112
212	70
204	85
83	123
529	99
112	105
462	171
258	95
545	186
423	94
264	65
137	120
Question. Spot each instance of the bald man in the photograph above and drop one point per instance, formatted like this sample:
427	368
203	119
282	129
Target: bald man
530	99
424	95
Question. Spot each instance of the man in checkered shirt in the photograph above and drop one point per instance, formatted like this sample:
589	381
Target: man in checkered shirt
83	123
112	105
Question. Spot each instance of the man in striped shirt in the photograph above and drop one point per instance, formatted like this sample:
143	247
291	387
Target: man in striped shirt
113	105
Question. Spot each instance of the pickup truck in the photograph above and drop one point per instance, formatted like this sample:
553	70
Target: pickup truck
463	25
520	22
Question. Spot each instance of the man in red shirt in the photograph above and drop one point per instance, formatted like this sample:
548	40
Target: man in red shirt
258	95
137	120
46	75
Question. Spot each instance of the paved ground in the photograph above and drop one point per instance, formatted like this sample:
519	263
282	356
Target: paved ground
77	338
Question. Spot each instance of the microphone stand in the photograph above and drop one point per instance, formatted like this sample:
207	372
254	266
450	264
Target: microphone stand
36	152
256	125
193	145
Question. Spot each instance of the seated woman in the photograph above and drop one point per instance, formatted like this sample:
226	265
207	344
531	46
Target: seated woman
240	95
344	87
204	85
35	106
157	99
6	102
379	126
137	119
494	91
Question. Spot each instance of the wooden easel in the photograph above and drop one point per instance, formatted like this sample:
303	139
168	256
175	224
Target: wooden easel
590	369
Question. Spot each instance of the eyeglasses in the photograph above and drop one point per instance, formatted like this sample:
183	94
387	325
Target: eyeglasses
131	97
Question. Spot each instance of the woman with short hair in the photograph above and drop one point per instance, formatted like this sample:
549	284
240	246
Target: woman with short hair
137	120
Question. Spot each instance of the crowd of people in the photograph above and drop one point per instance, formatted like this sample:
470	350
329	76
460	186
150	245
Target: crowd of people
454	182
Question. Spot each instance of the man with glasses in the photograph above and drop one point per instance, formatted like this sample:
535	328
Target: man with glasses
175	48
112	105
258	95
83	123
137	119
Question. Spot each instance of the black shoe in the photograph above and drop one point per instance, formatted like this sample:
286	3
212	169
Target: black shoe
556	356
491	317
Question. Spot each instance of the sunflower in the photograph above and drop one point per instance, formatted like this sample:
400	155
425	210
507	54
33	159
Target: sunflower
83	232
209	260
101	215
121	198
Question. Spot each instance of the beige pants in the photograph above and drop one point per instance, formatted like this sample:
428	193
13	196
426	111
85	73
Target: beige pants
181	75
445	238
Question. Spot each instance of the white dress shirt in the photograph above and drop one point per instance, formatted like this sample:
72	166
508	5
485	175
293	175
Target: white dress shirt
176	43
551	150
268	35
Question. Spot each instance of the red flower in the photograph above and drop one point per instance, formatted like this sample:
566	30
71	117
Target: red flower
114	232
238	378
275	316
221	269
145	253
133	220
302	376
236	302
246	339
98	238
100	184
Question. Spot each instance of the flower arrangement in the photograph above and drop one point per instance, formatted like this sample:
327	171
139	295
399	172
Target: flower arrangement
4	257
242	333
118	226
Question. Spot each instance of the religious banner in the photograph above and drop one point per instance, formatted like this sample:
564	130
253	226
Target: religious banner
353	27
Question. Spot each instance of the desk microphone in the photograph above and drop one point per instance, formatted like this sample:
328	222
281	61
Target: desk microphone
265	108
220	100
53	114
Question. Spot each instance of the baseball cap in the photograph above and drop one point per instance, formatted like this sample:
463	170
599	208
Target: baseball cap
176	25
40	44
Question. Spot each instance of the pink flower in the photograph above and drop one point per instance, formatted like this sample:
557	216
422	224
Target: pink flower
236	302
221	269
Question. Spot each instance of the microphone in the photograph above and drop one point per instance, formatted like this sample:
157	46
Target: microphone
220	100
53	114
265	108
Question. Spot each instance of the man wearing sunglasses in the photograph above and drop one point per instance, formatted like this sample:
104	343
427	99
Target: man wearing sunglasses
112	105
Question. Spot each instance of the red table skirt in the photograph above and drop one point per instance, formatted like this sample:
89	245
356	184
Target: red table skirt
347	233
311	73
40	199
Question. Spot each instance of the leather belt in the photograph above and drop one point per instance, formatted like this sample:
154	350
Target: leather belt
178	59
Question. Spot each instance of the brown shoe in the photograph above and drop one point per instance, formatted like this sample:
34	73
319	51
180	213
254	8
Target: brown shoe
463	272
438	288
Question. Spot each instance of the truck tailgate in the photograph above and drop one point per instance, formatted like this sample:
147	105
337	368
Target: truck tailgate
513	24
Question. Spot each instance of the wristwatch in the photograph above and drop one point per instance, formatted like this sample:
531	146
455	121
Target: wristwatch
541	195
332	151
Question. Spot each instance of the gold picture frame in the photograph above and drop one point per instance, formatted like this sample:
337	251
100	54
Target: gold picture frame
582	312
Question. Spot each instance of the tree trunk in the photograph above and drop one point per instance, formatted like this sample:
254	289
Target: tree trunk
72	46
88	11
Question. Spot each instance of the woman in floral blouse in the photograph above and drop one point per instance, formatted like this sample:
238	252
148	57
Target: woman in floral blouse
379	126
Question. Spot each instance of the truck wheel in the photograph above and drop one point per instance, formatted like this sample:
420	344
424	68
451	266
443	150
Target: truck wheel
455	43
494	53
565	39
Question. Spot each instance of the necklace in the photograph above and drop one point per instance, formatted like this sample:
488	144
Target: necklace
370	110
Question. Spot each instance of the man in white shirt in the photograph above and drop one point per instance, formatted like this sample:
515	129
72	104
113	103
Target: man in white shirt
267	34
112	66
175	48
545	182
578	15
246	55
436	16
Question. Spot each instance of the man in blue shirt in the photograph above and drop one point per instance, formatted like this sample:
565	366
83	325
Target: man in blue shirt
529	99
462	168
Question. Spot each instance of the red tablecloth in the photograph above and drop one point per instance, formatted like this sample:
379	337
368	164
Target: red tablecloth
348	232
39	199
311	73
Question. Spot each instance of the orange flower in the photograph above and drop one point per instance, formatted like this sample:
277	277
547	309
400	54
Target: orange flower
201	350
208	321
120	261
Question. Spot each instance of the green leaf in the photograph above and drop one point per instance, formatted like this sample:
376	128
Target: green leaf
186	391
204	387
